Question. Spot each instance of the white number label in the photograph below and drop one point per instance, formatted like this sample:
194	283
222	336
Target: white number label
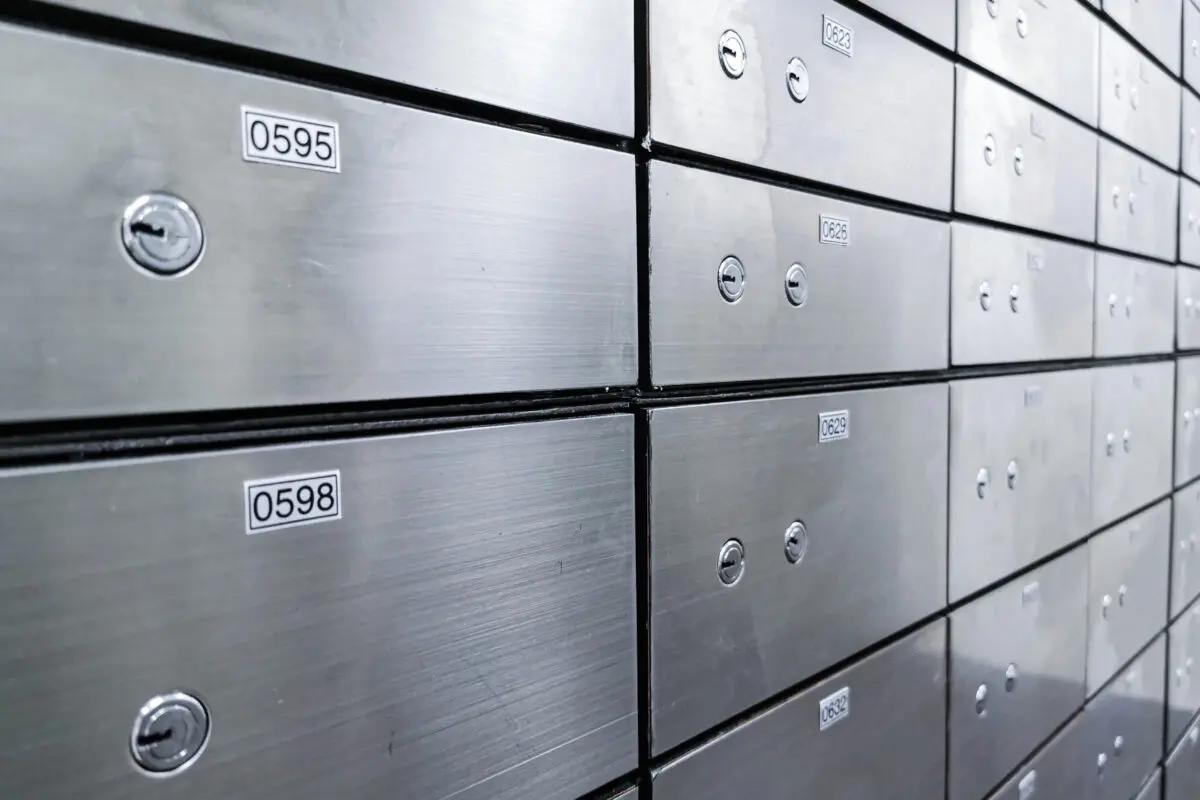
835	230
292	500
836	35
271	138
833	425
835	708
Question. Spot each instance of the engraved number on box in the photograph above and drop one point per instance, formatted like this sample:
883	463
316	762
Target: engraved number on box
282	502
836	35
835	708
833	425
272	138
835	230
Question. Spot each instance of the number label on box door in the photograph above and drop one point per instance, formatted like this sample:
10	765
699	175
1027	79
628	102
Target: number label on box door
835	708
273	503
833	425
836	35
835	230
271	138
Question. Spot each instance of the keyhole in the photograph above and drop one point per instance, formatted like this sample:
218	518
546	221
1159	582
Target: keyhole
157	737
140	226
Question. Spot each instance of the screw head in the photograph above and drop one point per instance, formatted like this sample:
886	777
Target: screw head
731	278
989	149
795	542
731	562
732	51
162	234
169	732
795	285
797	80
1019	161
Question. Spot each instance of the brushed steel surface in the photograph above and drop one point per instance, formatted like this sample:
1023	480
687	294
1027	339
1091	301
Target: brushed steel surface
1054	55
861	127
931	18
1190	134
1183	767
1189	222
1035	624
1138	399
1153	789
1187	420
1052	314
465	630
447	257
874	506
1139	101
892	744
1133	306
1191	45
1041	424
1136	204
572	62
1183	672
1127	590
1057	185
1131	707
1185	548
1060	770
1156	25
854	320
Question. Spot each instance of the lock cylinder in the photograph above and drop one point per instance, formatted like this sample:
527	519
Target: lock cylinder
169	733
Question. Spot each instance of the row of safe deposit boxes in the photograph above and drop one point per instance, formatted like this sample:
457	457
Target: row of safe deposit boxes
460	612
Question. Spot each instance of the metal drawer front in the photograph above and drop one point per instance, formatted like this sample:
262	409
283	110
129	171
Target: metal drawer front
1128	712
1155	25
1191	45
1183	767
1139	101
1187	312
1019	481
446	257
1187	420
896	701
1132	437
864	517
569	62
851	318
1016	671
1017	297
1059	771
1190	110
1183	672
1189	222
464	628
1127	590
1019	162
1137	204
1051	50
1185	551
856	125
931	18
1133	306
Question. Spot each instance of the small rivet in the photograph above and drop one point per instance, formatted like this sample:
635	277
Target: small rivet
732	51
731	562
731	278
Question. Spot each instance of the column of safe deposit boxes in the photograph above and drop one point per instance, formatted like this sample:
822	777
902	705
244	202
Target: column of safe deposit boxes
672	399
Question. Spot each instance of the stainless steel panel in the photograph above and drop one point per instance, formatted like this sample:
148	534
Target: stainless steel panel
1137	204
931	18
1017	659
1190	133
896	725
1187	420
1132	437
1017	297
1128	712
1155	25
1127	590
1051	50
1183	672
874	509
1183	767
1191	44
1185	549
853	320
465	628
859	127
1019	480
1139	101
1153	789
447	256
572	62
1061	770
1134	300
1189	221
1017	161
1187	310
